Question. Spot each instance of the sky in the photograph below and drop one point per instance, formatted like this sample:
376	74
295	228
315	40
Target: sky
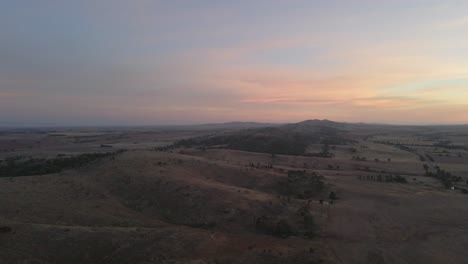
143	62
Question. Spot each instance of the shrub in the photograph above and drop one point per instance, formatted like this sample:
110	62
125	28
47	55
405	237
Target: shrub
399	179
268	226
5	229
283	229
310	225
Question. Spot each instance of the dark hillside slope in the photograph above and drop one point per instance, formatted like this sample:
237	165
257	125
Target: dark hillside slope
291	139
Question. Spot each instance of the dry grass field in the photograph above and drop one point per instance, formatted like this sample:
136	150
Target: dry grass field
213	200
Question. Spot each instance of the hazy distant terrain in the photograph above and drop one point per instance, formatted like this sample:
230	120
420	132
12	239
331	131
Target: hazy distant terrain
317	191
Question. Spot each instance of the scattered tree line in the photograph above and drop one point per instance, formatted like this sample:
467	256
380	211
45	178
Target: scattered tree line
383	178
273	142
447	178
405	148
260	166
430	158
22	166
448	145
401	143
359	158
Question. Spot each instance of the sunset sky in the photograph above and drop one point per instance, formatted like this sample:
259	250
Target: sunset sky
203	61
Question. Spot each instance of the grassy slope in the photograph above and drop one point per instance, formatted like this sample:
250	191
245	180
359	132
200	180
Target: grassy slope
149	206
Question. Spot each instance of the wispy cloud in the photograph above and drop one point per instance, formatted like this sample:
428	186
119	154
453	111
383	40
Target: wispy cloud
155	61
289	101
13	94
454	23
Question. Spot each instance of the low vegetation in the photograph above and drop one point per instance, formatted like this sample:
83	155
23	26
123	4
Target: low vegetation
384	178
287	140
447	178
21	166
264	141
302	224
447	144
176	206
302	184
325	153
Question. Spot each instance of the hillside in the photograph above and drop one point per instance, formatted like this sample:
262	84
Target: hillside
388	194
290	139
162	207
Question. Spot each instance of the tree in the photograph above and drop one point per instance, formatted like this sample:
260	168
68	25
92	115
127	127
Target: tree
426	168
310	225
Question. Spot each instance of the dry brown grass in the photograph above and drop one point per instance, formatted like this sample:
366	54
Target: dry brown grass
200	206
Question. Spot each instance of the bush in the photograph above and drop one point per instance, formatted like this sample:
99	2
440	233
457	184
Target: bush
283	229
5	229
268	226
399	179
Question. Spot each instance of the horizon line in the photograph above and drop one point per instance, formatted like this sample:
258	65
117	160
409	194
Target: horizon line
26	126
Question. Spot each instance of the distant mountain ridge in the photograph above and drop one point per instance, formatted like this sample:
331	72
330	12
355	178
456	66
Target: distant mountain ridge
236	124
